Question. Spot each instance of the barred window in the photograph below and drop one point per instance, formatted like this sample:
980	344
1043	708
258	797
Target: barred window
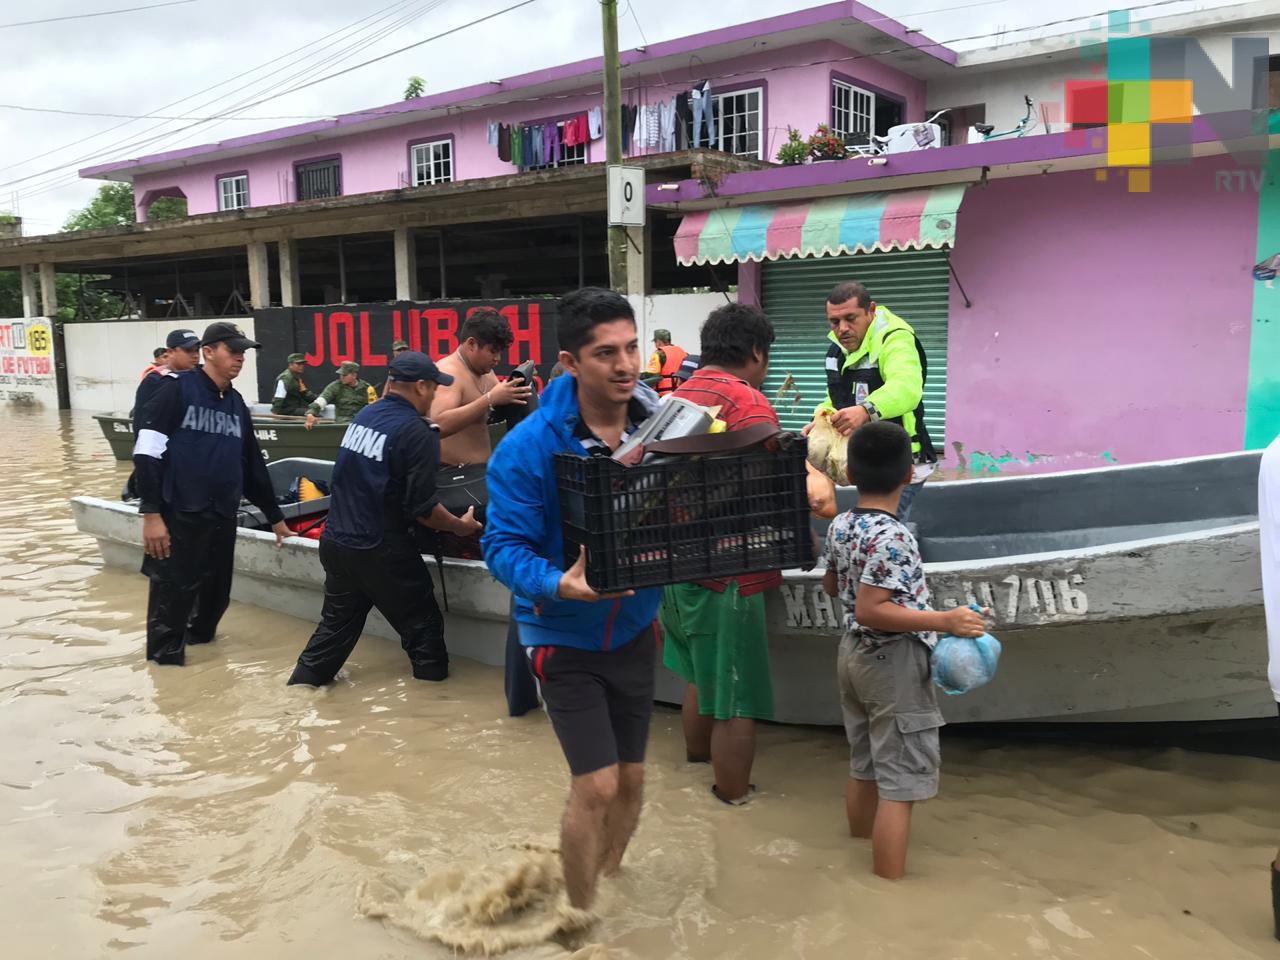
320	179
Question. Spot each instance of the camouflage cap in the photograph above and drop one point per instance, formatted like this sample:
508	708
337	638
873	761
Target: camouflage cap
663	335
400	345
297	358
348	366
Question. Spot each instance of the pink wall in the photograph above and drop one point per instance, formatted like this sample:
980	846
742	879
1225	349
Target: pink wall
1106	326
377	160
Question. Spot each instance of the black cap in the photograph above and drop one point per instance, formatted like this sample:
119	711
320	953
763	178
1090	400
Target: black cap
412	366
182	340
228	333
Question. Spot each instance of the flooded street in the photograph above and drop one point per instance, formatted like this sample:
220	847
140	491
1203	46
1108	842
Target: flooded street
211	812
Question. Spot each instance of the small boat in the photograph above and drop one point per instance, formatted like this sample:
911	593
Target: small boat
1124	594
301	515
279	437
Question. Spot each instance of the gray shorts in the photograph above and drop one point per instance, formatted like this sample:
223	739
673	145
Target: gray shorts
891	717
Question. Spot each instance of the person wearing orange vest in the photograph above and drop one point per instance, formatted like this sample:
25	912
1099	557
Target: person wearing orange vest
665	362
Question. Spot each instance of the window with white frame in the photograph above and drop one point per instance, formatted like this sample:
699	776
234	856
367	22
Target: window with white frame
566	156
233	192
853	112
738	122
432	162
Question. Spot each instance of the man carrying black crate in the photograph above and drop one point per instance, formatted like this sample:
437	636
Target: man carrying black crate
593	654
714	630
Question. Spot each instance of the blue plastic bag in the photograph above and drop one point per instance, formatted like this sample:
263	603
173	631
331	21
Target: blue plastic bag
961	664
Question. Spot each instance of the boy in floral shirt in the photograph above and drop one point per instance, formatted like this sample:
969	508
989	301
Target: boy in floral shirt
890	706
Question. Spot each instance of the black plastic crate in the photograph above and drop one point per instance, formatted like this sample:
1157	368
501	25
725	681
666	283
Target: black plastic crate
685	519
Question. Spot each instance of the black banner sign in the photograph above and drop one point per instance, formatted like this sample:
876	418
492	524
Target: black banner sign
364	332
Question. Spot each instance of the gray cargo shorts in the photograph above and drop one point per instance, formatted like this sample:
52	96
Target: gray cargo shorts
891	717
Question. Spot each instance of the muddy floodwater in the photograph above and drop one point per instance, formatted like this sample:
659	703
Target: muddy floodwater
211	812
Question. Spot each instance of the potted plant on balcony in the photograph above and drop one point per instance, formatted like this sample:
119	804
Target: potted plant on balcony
795	150
825	145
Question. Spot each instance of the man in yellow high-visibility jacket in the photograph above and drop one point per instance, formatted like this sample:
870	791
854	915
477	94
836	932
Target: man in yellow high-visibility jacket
876	370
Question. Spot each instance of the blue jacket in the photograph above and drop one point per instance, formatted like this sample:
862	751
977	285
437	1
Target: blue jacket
523	545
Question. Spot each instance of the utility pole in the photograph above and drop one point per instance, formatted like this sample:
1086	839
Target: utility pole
617	242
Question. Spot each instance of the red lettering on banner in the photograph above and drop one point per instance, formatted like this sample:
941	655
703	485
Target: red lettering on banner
315	356
5	333
415	330
341	353
6	364
530	334
442	332
368	359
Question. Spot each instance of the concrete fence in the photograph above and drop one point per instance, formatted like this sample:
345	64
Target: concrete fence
105	360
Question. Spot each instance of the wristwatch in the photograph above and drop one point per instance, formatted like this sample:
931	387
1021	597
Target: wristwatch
873	412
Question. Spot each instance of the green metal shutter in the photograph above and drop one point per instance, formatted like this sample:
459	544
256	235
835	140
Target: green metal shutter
914	284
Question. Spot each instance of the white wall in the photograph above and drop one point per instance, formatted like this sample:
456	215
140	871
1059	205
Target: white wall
104	360
27	377
681	313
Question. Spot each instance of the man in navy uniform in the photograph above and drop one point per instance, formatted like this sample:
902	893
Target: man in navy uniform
194	456
182	352
383	487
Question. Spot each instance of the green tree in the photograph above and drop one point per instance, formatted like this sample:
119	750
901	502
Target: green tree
113	206
415	88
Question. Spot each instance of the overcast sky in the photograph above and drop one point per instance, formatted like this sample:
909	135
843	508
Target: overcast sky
136	63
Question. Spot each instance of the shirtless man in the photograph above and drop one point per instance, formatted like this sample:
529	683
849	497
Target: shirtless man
462	409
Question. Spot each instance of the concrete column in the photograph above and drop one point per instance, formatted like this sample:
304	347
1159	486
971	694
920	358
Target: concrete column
406	257
48	290
259	275
30	306
290	275
637	261
749	274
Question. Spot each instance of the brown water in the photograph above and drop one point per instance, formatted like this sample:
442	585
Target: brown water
210	812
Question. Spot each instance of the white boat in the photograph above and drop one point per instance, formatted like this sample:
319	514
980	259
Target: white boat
1124	594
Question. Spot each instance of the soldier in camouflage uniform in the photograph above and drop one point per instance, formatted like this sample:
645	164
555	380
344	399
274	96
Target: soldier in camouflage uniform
348	394
292	396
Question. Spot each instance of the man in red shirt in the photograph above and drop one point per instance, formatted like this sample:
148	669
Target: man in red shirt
714	631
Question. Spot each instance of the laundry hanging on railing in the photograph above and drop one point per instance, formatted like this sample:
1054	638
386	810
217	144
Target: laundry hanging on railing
540	144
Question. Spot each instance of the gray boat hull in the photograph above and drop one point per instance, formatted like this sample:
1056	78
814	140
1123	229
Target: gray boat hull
1163	628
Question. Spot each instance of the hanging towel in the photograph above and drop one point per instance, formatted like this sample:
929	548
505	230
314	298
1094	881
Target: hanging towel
666	125
595	123
683	120
652	124
491	134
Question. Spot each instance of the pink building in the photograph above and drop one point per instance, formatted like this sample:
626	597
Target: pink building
796	70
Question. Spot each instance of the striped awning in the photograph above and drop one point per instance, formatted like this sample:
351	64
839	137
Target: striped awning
894	220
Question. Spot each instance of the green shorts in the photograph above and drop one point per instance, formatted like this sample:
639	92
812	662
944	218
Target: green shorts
719	643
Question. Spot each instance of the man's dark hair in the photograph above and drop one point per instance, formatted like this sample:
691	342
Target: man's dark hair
584	310
850	290
489	327
732	332
879	457
159	352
